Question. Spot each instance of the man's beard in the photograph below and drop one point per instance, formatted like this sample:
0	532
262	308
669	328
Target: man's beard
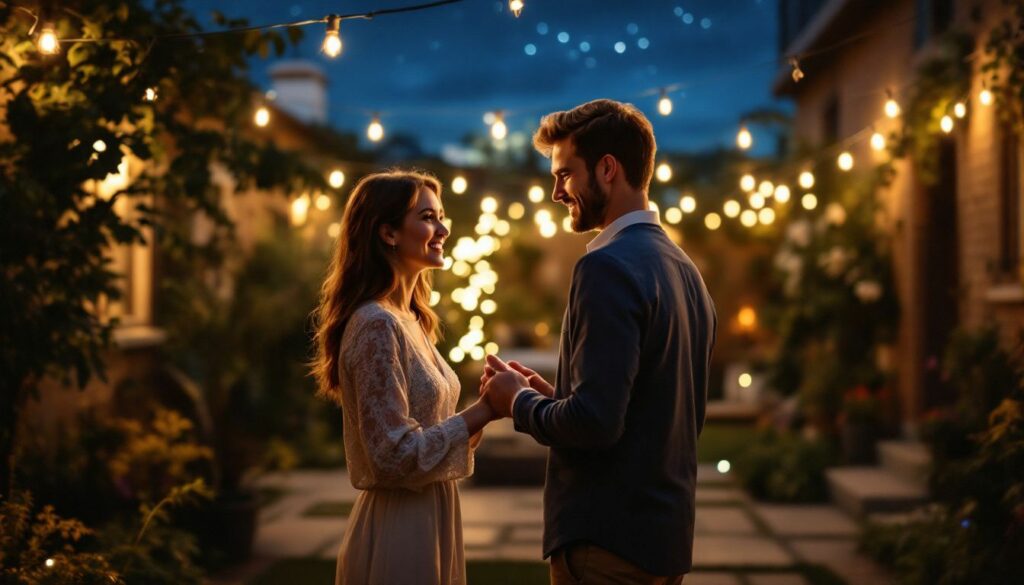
591	205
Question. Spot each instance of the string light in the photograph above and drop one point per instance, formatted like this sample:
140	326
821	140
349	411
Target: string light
798	73
731	208
712	221
536	194
757	200
877	141
744	139
99	146
47	42
262	117
946	124
334	230
809	201
748	218
806	179
663	173
782	193
489	205
375	131
332	38
960	110
516	210
150	95
300	210
766	216
748	182
845	161
985	97
323	202
516	6
459	185
892	107
498	128
688	204
336	179
674	215
766	188
664	104
653	207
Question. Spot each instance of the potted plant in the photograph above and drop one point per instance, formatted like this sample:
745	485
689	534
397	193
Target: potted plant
860	423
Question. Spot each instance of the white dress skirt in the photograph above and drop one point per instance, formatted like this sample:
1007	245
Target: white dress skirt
405	448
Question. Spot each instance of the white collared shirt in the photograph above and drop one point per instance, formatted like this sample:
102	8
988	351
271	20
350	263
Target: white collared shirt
622	222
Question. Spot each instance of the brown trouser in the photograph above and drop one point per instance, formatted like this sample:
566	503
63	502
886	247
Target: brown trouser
586	564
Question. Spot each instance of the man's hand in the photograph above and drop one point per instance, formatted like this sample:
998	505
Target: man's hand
535	380
501	387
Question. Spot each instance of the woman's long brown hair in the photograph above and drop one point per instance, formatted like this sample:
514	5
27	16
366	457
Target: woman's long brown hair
361	270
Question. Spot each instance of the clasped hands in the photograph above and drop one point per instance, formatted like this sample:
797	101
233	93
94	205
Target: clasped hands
502	381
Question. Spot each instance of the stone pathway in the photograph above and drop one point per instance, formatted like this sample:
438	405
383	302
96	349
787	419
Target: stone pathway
738	542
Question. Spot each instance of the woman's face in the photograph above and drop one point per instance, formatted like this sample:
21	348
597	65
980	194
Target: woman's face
420	239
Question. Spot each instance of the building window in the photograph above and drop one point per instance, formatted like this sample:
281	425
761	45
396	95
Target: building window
934	17
1011	191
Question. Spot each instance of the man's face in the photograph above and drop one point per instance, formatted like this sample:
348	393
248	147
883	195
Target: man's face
577	188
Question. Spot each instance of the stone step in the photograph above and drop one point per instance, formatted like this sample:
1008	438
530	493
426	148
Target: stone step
869	490
908	459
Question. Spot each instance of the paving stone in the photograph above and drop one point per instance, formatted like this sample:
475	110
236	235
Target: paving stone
719	520
707	473
775	579
790	521
738	551
842	557
711	578
718	495
297	537
480	536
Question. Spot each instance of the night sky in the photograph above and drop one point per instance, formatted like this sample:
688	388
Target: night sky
434	74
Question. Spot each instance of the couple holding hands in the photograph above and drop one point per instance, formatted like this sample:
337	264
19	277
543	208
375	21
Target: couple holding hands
621	417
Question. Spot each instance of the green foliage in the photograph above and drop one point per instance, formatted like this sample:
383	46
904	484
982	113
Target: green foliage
41	547
58	224
784	467
1003	66
942	80
975	532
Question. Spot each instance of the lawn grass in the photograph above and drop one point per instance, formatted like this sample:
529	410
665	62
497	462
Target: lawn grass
329	509
724	441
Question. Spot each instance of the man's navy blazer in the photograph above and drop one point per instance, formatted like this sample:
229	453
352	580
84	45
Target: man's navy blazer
630	395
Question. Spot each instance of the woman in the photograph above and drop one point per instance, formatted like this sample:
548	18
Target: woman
404	444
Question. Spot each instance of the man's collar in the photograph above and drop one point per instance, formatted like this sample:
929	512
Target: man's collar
622	222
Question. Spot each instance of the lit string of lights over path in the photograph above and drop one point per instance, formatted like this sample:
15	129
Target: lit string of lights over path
49	44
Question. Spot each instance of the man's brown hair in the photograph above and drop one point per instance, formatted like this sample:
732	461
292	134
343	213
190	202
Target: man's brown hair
604	127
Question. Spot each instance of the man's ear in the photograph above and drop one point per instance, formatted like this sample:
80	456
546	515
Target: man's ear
607	168
387	234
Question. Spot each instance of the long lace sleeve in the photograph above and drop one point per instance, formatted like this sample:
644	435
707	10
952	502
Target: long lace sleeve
401	451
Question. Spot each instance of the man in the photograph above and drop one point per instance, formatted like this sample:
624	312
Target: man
627	406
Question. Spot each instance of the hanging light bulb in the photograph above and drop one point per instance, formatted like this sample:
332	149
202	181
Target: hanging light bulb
798	73
782	193
375	131
536	194
47	42
498	128
731	208
892	107
713	221
960	110
664	104
688	204
748	182
150	95
336	178
845	161
663	173
262	117
516	6
877	141
946	123
806	179
744	140
809	201
985	97
332	38
459	185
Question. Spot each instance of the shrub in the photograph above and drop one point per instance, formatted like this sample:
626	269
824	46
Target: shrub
784	467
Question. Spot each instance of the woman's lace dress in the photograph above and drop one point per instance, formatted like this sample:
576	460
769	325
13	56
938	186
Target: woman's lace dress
405	447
